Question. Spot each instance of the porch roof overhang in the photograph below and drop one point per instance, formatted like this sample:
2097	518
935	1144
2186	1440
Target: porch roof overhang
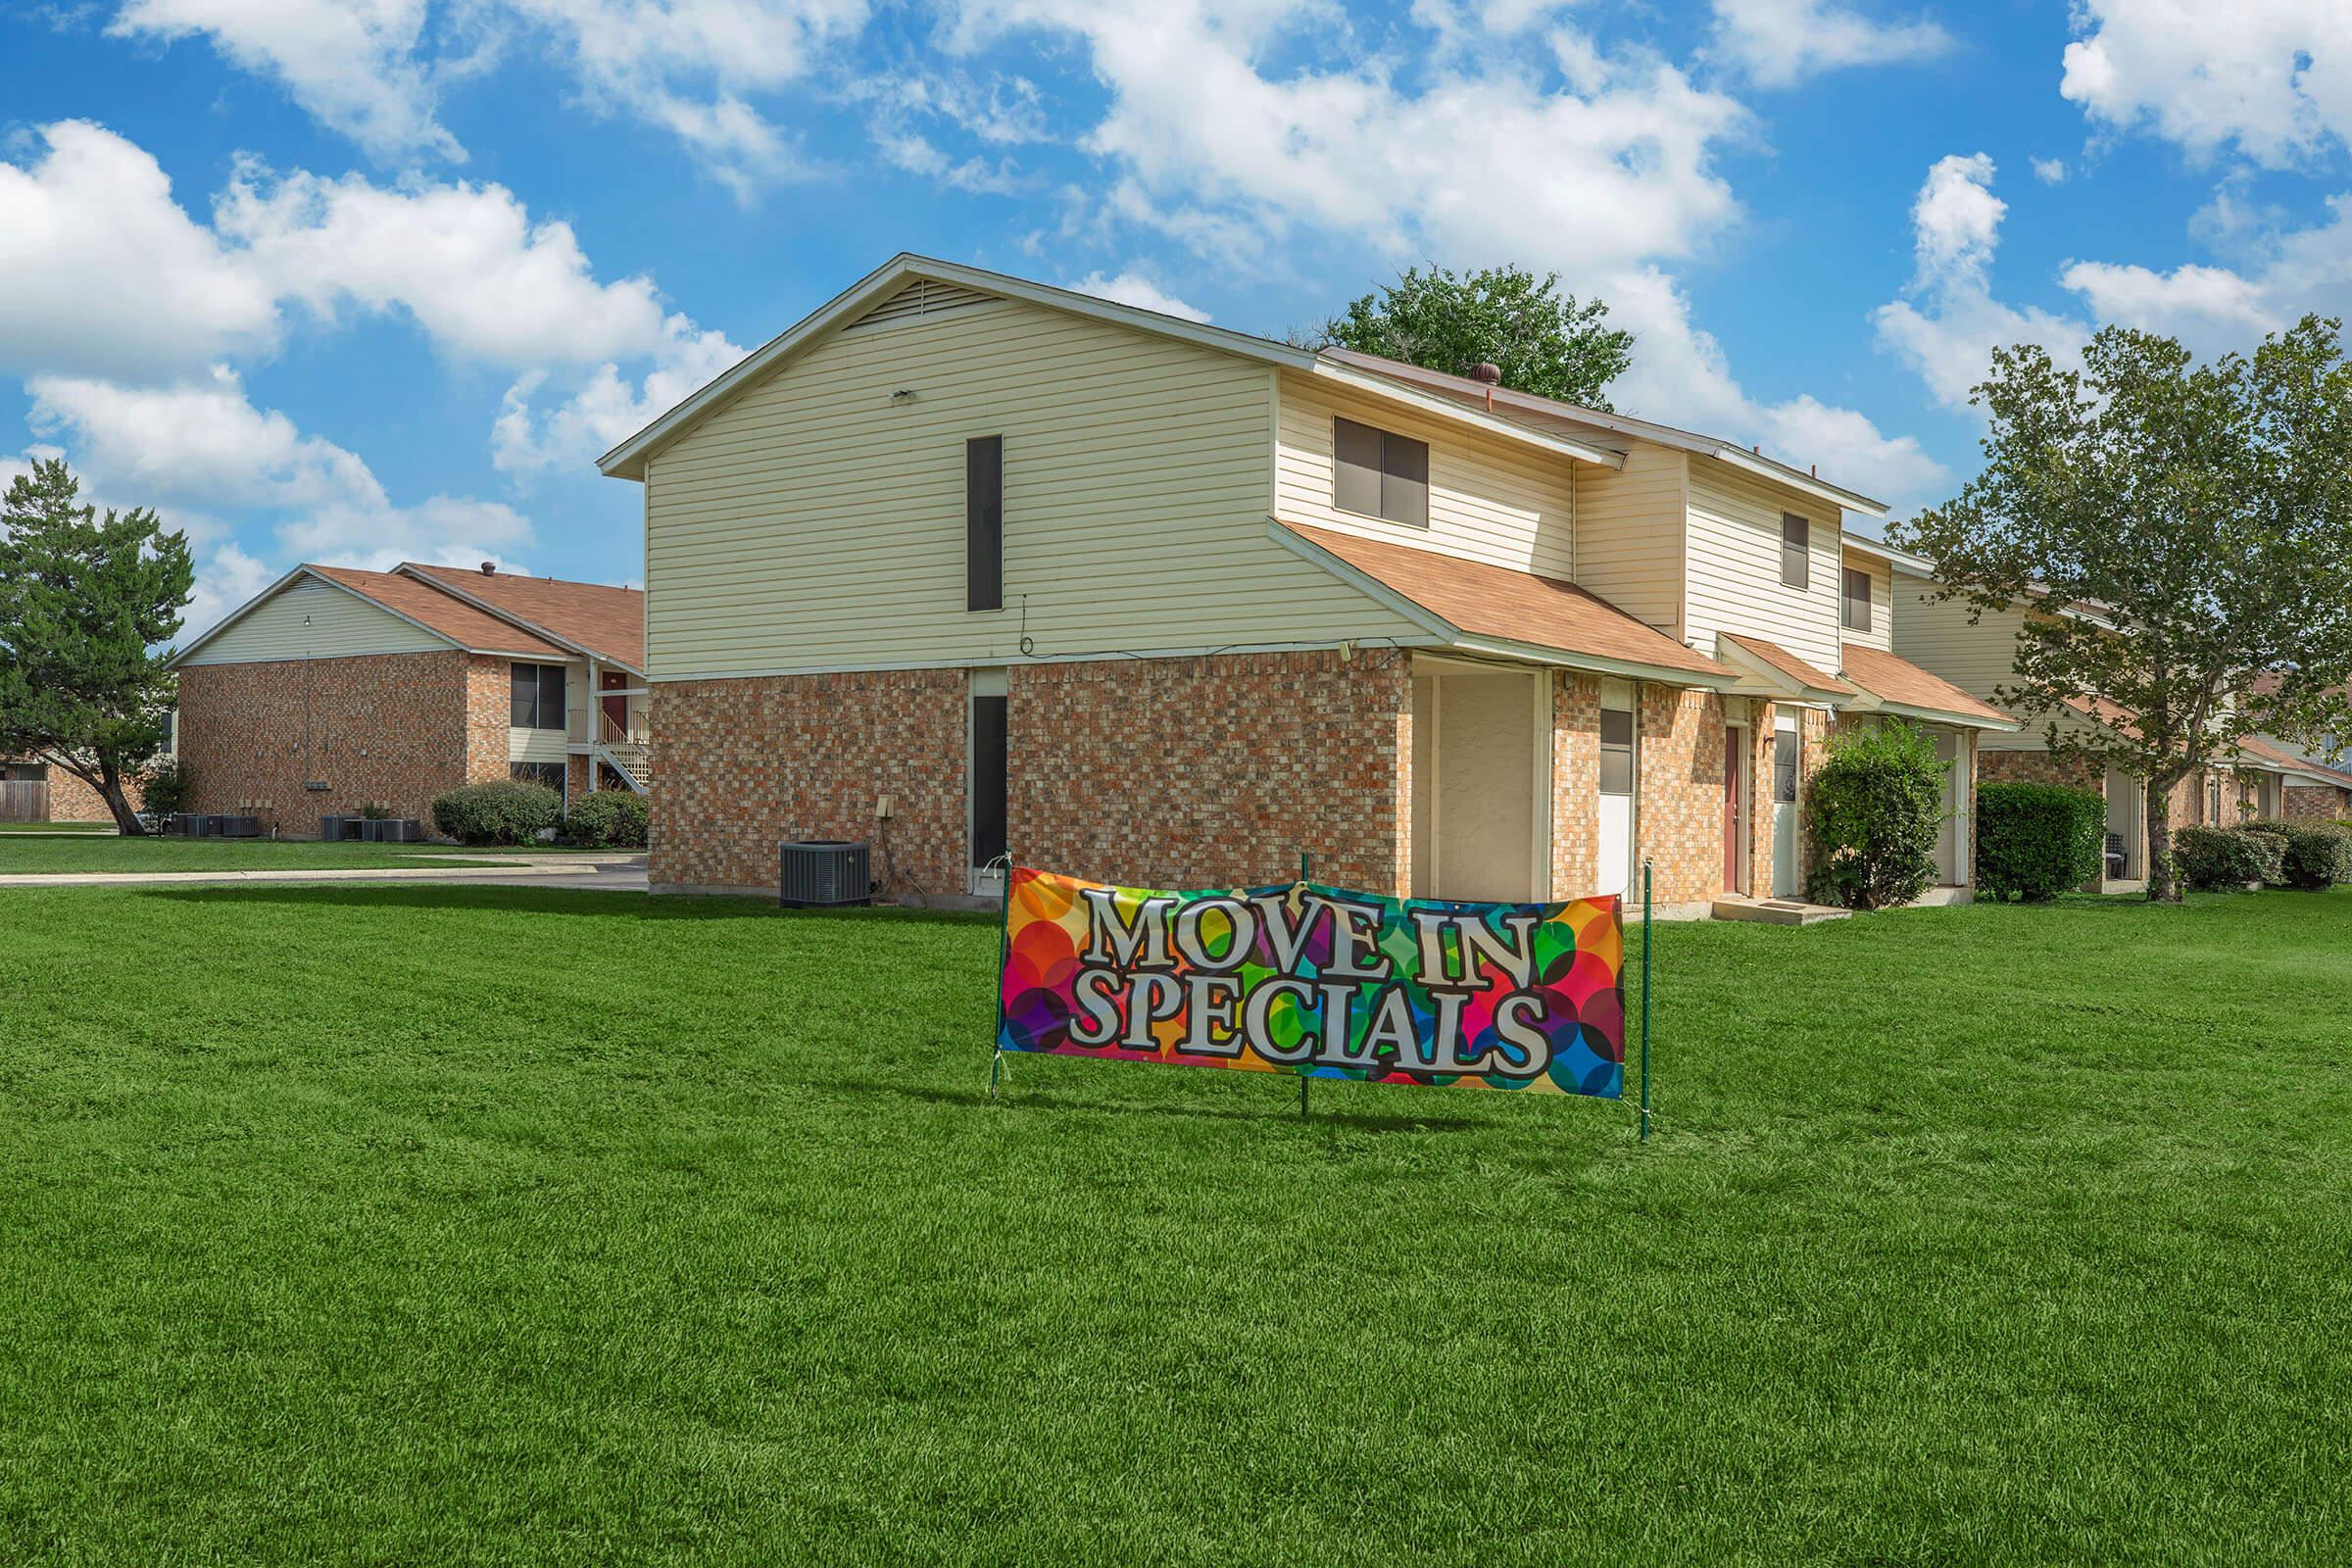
1886	683
1500	612
1767	670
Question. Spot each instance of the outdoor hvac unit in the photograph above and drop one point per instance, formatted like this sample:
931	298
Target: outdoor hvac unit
336	829
400	830
240	827
824	874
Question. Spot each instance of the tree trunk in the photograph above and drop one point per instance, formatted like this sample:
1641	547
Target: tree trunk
2162	887
107	780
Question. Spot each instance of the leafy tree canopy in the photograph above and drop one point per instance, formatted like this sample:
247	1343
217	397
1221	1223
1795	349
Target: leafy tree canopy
1544	341
86	607
2177	536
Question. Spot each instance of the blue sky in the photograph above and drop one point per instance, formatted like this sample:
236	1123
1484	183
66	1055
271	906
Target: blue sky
355	280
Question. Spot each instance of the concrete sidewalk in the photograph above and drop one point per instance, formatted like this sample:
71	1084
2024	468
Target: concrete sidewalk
624	873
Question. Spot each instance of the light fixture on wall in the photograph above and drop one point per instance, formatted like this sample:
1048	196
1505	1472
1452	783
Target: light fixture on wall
904	393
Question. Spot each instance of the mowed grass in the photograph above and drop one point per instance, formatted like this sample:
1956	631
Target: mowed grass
42	855
401	1225
57	827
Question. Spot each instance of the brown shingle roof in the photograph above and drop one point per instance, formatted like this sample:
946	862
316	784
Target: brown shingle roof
436	610
1485	601
1787	663
1898	680
607	621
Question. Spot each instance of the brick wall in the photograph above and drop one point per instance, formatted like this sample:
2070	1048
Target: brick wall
73	800
1679	824
2038	768
1201	773
388	728
1576	786
746	764
2316	803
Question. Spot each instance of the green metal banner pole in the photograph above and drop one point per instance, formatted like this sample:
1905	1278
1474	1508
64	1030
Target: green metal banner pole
1003	951
1645	932
1306	867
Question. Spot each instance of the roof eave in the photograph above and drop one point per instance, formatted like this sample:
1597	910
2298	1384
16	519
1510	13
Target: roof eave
500	612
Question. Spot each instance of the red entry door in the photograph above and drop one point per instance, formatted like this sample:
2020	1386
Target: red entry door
617	708
1731	810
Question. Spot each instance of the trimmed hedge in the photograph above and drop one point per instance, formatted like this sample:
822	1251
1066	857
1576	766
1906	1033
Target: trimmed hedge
505	812
2318	857
2037	841
2231	858
605	818
1877	803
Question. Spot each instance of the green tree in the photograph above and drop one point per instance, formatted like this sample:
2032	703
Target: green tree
1544	341
2174	531
84	607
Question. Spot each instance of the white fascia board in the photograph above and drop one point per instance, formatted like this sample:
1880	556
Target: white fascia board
1782	474
1878	549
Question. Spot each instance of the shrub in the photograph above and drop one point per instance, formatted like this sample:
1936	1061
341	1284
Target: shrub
605	819
2269	829
1877	803
2037	841
165	789
2230	858
2318	857
506	811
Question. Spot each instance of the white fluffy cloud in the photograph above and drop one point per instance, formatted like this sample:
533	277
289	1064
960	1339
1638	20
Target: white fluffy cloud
2272	79
1780	43
102	273
1134	288
2203	306
605	407
1950	322
351	64
374	69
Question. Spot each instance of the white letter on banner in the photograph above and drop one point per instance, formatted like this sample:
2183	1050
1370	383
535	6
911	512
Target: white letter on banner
1348	936
1339	1007
1254	1027
1239	916
1093	990
1534	1055
1287	941
1392	1025
1111	939
1519	963
1143	1011
1202	1010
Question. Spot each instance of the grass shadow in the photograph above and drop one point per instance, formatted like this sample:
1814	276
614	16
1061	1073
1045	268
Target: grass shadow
518	894
1282	1107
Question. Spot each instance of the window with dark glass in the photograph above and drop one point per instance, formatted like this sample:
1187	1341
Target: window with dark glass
1616	750
538	697
1796	549
1857	600
1379	473
549	774
1785	749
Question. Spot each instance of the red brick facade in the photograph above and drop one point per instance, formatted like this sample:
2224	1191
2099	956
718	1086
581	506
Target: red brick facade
1678	816
388	729
2317	802
2038	768
73	800
1278	754
1576	786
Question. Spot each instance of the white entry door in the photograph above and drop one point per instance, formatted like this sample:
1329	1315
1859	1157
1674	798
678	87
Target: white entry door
1947	832
1615	873
1788	874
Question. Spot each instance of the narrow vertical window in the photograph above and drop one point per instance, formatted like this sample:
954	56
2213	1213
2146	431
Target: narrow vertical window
988	778
984	522
1616	750
1786	750
1796	549
1857	600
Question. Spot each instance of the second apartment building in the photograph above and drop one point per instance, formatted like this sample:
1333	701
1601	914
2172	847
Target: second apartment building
964	564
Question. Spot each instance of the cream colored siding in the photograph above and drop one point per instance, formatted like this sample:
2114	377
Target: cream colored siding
535	745
814	523
1937	638
1489	500
1734	564
311	619
1881	602
1629	533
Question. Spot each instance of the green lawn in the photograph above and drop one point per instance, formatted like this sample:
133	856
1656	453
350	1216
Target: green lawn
26	856
57	827
453	1225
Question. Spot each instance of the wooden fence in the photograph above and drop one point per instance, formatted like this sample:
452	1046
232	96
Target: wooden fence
23	801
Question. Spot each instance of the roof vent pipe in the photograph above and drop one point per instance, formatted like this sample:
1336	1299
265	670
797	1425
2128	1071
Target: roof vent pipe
1488	371
489	569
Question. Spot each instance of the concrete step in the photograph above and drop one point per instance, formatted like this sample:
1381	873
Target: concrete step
1776	912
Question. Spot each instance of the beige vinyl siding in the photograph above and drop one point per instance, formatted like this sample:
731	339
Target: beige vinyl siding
313	620
812	522
529	744
1734	564
1489	500
1629	533
1881	602
1939	639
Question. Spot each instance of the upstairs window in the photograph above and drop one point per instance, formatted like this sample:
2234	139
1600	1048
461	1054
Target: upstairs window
1796	551
984	522
1380	475
1856	615
538	697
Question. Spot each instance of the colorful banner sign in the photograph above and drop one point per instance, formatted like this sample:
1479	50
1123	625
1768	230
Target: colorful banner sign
1313	980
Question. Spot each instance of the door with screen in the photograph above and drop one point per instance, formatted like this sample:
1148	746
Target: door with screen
987	758
1787	751
1616	868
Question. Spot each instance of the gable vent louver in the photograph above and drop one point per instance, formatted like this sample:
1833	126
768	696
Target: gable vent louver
925	296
